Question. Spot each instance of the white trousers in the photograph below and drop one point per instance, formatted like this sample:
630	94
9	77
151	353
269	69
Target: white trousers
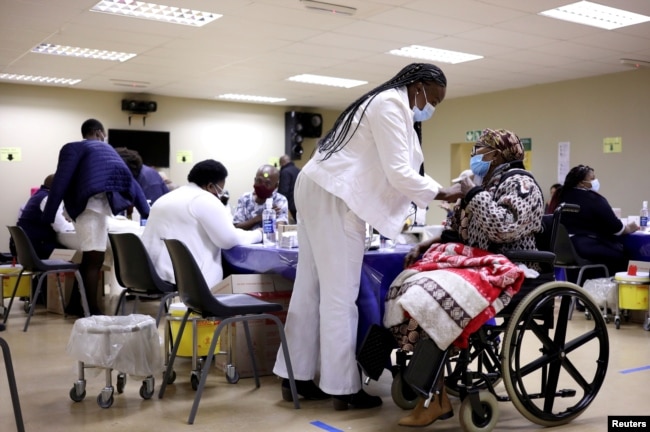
322	319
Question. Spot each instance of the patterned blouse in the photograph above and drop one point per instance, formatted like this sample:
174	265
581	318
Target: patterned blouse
503	214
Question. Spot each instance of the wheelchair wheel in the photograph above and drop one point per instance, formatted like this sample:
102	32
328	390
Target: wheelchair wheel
471	421
402	394
540	355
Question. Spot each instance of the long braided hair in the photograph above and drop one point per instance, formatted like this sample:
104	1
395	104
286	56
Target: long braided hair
574	177
335	139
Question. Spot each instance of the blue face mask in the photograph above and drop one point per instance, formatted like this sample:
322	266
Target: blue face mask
420	115
478	166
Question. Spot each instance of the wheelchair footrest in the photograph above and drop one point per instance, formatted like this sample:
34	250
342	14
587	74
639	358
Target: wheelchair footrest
374	354
425	367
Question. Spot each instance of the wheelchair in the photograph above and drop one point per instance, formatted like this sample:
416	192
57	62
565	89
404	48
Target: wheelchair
529	347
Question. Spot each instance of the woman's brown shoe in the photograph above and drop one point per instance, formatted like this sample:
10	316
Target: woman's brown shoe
439	409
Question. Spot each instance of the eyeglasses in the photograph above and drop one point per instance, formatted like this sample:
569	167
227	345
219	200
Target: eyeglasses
477	148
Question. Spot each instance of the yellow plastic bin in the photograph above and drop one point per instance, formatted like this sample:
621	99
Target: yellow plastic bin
204	330
632	290
8	282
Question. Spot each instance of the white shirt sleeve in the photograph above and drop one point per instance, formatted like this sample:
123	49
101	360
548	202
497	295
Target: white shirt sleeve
216	220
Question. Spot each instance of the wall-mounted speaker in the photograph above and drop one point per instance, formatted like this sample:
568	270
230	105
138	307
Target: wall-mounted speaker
297	127
139	107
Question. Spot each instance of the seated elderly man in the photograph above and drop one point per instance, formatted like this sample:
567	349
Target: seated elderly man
251	205
501	210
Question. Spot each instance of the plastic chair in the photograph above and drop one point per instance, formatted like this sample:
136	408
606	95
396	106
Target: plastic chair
226	308
30	262
135	271
11	379
567	258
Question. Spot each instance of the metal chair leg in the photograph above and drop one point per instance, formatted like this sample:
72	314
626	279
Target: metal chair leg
13	389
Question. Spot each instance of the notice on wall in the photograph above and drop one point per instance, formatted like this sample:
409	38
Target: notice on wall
612	145
527	143
563	166
10	154
184	156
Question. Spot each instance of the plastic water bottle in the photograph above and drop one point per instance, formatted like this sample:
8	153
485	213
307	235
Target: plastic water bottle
269	236
643	219
135	215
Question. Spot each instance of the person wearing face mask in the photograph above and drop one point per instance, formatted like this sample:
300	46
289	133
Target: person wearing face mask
250	205
93	182
195	214
501	210
595	230
365	170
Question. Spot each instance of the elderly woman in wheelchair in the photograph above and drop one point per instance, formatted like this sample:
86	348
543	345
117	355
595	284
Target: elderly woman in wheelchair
452	286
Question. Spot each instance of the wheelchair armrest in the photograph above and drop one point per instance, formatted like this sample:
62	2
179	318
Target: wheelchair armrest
542	257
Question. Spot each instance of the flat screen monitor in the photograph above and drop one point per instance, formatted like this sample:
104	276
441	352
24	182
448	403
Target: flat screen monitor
153	146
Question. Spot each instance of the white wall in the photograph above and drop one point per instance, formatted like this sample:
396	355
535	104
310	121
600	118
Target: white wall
39	120
582	112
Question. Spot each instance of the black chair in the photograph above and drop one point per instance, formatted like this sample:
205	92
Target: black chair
225	308
135	271
31	263
567	258
11	379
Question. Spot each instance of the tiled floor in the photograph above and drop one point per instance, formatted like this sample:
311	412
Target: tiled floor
45	374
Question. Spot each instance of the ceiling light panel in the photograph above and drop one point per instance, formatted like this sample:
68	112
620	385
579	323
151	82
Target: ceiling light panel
596	15
327	81
39	79
155	12
328	7
434	54
79	52
250	98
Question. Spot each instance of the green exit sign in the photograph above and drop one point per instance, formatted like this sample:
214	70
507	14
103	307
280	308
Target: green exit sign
472	136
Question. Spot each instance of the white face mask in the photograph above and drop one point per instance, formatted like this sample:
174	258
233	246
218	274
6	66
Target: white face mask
595	185
420	115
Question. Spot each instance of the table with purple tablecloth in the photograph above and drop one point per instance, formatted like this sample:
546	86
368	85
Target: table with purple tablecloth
379	269
638	245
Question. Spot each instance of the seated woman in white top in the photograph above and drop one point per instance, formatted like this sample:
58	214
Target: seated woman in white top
194	214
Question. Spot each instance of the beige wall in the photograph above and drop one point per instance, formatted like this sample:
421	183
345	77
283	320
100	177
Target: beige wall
582	112
39	120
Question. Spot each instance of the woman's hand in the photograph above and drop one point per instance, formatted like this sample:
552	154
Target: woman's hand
631	227
416	252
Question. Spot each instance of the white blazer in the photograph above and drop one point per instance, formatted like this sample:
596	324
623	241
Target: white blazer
377	172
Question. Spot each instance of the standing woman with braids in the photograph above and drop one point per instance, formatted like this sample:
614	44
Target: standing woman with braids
365	170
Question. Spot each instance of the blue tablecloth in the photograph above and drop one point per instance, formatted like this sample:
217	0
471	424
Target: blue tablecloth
379	269
638	245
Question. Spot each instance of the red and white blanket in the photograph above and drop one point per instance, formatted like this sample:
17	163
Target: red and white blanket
452	291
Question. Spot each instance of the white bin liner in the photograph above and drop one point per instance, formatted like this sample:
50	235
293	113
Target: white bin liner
129	344
602	292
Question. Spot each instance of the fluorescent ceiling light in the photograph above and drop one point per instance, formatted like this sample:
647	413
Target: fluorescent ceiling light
328	7
434	54
63	50
593	14
155	12
39	79
325	80
250	98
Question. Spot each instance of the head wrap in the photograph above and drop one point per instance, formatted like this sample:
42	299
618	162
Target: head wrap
506	142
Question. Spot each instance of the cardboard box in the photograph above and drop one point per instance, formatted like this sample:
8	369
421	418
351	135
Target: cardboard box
66	279
264	333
